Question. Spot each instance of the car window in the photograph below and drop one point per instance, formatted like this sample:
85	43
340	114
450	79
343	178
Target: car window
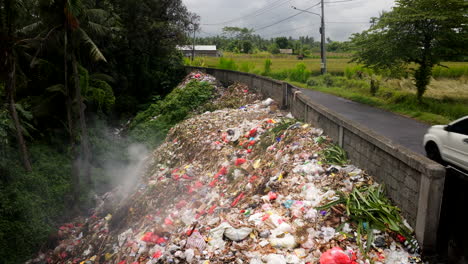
460	127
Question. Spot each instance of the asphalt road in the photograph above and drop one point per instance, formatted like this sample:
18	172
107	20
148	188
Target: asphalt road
399	129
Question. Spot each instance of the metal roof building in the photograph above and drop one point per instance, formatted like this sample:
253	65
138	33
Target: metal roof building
200	50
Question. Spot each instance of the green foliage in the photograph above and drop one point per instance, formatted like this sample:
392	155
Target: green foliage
374	86
227	64
267	67
449	72
247	67
247	47
334	154
328	80
274	48
31	204
151	125
282	42
299	73
197	62
369	208
423	32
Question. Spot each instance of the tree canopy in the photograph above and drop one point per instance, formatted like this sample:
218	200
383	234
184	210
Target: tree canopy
67	66
423	32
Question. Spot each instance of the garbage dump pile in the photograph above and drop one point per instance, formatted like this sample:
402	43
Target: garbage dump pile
247	184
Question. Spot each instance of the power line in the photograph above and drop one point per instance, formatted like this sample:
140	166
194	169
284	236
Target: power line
347	22
258	12
276	23
291	30
341	1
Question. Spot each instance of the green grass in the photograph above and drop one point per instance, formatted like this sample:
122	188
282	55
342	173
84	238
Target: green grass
445	100
337	63
431	110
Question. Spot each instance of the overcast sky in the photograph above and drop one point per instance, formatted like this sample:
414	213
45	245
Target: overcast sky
343	17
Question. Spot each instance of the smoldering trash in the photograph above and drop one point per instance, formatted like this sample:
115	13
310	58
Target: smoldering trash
242	183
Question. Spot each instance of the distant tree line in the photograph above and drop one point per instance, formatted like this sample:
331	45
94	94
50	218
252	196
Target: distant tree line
243	40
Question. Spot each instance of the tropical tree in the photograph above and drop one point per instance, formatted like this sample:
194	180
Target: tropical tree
10	45
66	21
423	32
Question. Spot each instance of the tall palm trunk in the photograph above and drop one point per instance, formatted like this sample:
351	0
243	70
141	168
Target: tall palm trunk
75	173
10	90
85	148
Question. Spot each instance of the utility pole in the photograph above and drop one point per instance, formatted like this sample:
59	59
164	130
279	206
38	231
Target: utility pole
323	55
193	42
323	51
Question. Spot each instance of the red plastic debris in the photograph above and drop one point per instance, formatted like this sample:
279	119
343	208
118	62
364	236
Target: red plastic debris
212	208
181	204
213	183
191	231
222	171
150	237
335	256
168	221
272	196
265	217
239	197
185	176
253	178
253	132
401	238
240	161
123	262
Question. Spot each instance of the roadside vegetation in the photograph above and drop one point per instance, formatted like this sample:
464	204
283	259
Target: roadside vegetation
445	100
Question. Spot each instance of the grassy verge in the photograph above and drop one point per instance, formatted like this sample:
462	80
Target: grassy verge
445	100
432	110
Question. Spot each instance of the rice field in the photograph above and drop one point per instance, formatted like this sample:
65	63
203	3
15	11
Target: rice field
336	63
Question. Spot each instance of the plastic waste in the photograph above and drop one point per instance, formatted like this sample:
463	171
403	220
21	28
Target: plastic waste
237	234
189	255
335	256
268	102
275	259
196	240
286	241
328	233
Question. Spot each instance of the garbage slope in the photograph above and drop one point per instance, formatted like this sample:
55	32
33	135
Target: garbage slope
246	184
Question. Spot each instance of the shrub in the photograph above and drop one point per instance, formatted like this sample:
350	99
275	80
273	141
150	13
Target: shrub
312	82
328	80
299	73
267	67
374	86
152	125
247	66
227	64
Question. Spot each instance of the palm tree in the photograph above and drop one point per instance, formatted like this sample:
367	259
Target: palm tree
65	14
9	44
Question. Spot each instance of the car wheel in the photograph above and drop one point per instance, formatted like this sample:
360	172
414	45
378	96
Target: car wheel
433	153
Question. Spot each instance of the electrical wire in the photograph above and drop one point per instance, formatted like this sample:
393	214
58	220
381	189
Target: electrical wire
291	30
256	13
276	23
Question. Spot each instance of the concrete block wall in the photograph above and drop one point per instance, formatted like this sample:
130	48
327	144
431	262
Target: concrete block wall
412	181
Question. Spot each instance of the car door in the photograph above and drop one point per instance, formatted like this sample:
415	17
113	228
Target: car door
457	143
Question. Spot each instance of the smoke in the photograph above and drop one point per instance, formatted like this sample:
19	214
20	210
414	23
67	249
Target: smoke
127	176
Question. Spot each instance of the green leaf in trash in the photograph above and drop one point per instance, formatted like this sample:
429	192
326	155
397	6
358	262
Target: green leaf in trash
334	154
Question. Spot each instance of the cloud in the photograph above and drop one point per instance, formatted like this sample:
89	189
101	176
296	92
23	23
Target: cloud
342	18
